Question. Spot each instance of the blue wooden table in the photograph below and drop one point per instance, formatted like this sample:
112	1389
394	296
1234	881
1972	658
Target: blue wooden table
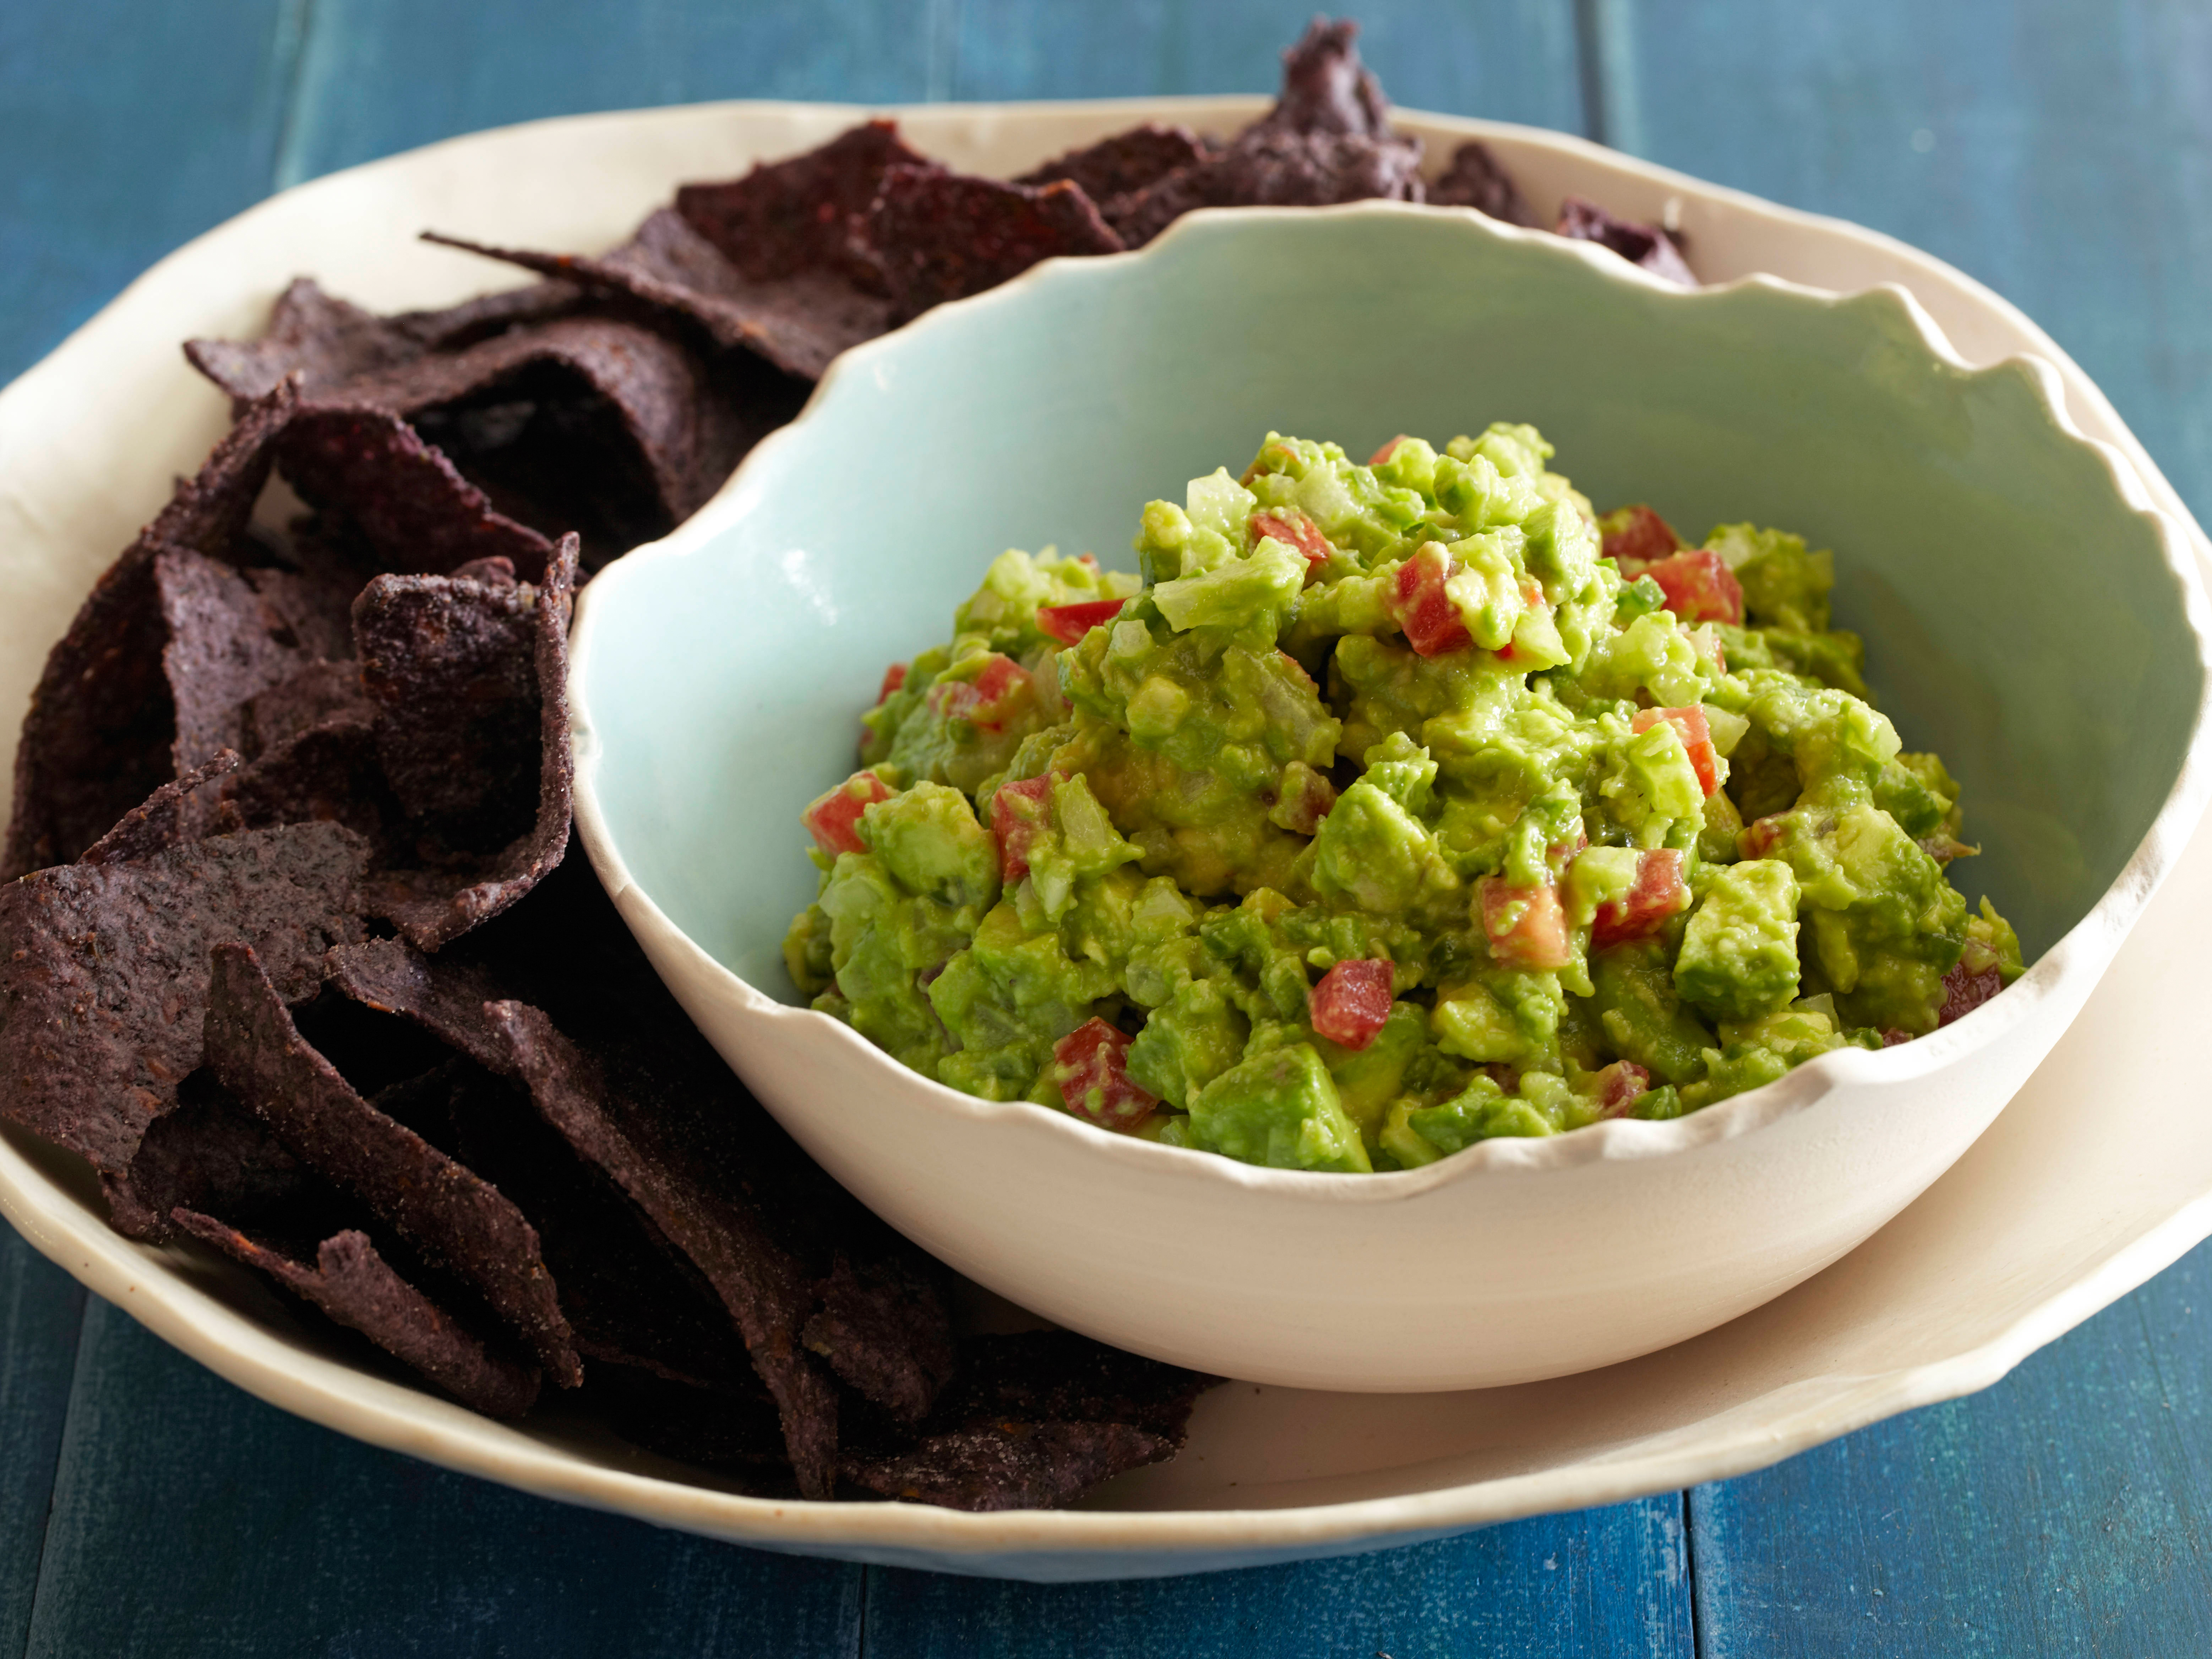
2061	150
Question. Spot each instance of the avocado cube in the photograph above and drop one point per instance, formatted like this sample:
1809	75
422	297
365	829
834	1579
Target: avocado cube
1281	1109
1739	956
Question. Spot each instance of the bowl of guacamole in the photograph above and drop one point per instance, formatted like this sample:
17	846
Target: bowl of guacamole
1498	814
1386	807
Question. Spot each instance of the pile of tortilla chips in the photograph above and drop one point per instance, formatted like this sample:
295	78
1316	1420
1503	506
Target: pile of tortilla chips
292	956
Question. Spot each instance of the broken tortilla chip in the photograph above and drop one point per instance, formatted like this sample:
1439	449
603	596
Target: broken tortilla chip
433	905
163	821
448	664
808	212
1040	1375
1647	246
462	1224
104	976
327	341
231	634
1128	161
405	499
327	774
1033	1419
763	1286
1475	179
350	1282
882	1326
1326	88
443	997
1006	1465
731	1431
1326	140
210	1154
946	235
97	739
797	322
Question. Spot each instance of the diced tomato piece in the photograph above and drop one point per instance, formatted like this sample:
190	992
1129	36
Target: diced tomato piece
1697	739
1068	623
1425	610
1561	853
1532	595
1618	1086
1273	457
1645	539
987	700
1293	530
1759	838
831	819
1659	893
1382	455
1698	585
894	680
1312	797
1526	926
1352	1003
1893	1035
1965	990
1091	1066
1018	811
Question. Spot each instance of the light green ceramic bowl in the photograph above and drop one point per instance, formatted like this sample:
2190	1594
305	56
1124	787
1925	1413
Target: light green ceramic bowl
2028	616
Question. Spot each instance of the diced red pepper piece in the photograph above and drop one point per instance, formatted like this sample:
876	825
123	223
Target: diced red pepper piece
1698	585
831	819
1293	530
1352	1003
1618	1086
1526	926
1645	539
894	680
1382	456
1091	1065
1068	623
1697	739
1425	610
1659	892
987	700
1018	811
1965	990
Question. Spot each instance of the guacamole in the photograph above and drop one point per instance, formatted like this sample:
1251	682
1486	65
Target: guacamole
1385	809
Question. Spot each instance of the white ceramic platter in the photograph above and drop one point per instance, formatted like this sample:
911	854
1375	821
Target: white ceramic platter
2062	1207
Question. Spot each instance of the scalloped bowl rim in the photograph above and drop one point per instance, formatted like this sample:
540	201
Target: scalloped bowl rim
2085	950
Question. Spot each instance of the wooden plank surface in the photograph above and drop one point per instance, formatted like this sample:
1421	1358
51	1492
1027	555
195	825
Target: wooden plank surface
127	128
41	1308
2063	153
189	1519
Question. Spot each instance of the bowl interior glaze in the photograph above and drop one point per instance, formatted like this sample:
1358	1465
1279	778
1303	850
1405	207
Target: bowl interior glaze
2021	620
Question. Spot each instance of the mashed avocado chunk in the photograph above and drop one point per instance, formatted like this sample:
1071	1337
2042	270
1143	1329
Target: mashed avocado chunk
1387	809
